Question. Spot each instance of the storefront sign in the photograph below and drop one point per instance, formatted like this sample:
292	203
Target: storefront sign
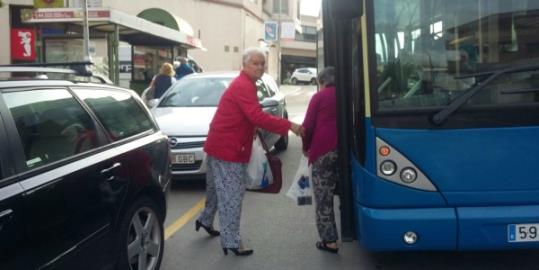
23	44
270	31
62	15
49	3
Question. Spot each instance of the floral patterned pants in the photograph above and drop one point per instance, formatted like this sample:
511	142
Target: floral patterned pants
325	179
225	188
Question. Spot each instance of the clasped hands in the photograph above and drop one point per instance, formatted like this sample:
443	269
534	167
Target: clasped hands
297	129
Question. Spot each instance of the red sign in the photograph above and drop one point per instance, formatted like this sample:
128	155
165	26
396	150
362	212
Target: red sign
23	44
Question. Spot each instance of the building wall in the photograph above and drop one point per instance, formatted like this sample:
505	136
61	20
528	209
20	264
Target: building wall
5	25
236	24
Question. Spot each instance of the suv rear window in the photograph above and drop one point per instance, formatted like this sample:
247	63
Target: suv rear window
51	124
118	111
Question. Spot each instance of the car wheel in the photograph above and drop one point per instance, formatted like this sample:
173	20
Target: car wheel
313	81
294	81
282	143
141	237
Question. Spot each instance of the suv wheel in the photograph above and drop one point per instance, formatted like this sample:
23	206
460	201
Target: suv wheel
294	81
313	81
141	237
282	143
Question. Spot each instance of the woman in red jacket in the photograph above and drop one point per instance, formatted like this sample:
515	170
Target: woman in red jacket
228	149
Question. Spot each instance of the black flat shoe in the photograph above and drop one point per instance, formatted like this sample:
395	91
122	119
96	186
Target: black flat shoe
209	230
323	246
238	252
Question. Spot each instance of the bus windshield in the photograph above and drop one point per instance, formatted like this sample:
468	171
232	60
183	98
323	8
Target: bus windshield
428	52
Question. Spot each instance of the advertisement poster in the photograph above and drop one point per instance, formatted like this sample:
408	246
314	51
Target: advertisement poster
23	44
288	30
270	31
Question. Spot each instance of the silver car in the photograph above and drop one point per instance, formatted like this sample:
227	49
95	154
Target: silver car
185	111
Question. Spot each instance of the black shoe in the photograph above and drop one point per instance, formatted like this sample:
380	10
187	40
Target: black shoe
238	252
209	230
323	246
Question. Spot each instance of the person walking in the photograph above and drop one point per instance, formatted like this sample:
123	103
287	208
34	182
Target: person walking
320	145
228	148
161	82
183	69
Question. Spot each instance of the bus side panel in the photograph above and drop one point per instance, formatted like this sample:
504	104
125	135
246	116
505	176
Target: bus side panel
384	229
482	228
474	167
372	191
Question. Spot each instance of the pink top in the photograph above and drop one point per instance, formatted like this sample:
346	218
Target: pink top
321	124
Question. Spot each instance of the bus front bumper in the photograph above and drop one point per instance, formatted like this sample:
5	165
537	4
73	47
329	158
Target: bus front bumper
461	228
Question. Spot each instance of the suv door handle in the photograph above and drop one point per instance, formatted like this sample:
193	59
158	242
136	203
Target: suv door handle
109	169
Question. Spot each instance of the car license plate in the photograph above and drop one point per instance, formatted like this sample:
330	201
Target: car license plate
523	232
183	159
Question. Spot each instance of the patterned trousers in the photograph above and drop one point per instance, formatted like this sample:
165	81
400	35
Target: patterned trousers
325	179
225	188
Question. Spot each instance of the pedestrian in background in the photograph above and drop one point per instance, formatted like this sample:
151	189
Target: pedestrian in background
183	69
161	82
228	148
320	145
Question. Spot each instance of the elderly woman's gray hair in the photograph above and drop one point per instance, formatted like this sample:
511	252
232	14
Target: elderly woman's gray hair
326	76
249	52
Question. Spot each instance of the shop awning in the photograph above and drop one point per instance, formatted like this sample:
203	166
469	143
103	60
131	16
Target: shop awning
134	30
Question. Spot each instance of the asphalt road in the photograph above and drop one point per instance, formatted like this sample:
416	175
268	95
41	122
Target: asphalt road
283	234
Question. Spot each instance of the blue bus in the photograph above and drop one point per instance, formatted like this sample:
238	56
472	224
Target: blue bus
438	122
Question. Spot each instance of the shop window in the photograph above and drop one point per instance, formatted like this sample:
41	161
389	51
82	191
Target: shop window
227	48
236	49
280	6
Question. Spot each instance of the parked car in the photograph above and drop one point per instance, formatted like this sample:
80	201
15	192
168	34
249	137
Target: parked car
185	111
306	75
84	173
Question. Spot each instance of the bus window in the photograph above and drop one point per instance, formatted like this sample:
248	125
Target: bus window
428	52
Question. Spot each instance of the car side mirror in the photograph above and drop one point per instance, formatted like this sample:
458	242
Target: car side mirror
268	102
153	102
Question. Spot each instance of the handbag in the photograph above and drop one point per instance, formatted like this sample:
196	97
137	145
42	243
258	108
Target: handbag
275	166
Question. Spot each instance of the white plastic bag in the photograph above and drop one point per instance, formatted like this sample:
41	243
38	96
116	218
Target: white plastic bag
258	170
301	190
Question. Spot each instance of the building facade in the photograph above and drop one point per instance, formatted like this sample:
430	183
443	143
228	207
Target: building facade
297	44
226	27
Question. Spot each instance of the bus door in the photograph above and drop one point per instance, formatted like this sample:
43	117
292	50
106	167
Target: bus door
343	50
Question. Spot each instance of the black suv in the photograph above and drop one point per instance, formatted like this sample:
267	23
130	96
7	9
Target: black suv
84	173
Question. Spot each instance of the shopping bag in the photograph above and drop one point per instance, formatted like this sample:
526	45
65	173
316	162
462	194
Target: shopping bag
259	173
301	190
275	165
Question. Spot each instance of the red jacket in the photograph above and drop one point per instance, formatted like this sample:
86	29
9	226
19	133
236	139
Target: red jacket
230	137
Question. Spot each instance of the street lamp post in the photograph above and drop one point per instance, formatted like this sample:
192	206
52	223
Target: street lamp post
85	31
279	27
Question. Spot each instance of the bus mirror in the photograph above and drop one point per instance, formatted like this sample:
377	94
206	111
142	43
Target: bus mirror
345	9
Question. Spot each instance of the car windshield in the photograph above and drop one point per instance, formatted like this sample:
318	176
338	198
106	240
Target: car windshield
196	92
430	52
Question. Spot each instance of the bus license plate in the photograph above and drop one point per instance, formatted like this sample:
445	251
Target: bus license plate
183	159
523	232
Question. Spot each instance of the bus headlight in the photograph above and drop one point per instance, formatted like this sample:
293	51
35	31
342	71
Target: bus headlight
408	175
388	167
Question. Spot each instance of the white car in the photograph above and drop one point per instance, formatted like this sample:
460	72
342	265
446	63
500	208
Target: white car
307	75
185	111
